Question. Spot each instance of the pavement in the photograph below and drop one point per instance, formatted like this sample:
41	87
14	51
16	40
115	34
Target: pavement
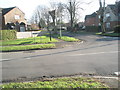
96	55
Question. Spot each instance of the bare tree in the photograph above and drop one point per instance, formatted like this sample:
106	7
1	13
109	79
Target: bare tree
40	16
56	13
101	11
73	7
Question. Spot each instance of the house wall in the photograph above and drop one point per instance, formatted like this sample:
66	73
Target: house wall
112	19
0	19
90	22
10	16
114	23
93	21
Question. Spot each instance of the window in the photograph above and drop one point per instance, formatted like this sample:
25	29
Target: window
99	24
17	17
108	15
119	14
99	16
108	25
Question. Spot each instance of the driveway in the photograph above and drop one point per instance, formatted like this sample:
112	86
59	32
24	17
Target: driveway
97	55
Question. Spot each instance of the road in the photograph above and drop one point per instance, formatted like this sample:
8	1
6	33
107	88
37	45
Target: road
98	55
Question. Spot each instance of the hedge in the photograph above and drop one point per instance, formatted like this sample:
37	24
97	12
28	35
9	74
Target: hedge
8	34
92	28
117	29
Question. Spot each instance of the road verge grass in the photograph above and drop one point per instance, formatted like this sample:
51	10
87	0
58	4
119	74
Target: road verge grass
109	34
66	38
68	82
32	40
27	47
69	39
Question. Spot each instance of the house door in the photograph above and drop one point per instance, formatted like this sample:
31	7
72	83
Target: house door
22	29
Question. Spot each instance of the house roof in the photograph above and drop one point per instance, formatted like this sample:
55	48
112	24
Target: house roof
6	10
91	15
115	8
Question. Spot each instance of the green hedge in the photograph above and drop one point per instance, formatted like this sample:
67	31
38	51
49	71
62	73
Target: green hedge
8	34
92	28
117	29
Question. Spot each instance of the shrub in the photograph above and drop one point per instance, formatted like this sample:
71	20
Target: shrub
117	29
92	28
8	34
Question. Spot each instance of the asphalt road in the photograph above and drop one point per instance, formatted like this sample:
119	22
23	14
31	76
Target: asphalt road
98	55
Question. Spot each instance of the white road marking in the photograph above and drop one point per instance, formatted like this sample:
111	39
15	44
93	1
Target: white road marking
95	53
28	58
4	59
105	77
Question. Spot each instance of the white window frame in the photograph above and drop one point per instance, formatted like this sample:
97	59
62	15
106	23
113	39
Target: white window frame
99	16
17	17
107	15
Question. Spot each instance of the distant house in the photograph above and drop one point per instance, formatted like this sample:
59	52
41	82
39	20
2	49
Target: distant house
92	22
112	15
0	18
13	18
92	19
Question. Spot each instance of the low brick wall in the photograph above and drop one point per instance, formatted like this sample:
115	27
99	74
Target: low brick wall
27	34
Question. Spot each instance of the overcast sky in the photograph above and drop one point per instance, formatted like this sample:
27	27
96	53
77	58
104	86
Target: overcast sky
28	6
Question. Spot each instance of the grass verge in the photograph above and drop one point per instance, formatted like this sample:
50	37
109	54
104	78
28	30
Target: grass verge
27	47
109	34
73	82
33	40
69	39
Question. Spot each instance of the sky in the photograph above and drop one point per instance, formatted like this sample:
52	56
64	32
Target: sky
28	6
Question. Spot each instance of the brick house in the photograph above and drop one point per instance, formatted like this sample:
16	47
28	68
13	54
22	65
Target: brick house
92	19
112	16
13	18
0	18
92	22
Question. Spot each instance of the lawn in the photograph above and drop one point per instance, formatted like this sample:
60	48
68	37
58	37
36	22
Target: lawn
109	34
73	82
32	40
27	47
41	42
69	39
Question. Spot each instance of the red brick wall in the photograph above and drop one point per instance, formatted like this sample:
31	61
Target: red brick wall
114	23
0	19
92	21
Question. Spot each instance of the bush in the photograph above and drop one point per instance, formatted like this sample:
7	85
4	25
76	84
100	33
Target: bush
8	34
92	28
117	29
